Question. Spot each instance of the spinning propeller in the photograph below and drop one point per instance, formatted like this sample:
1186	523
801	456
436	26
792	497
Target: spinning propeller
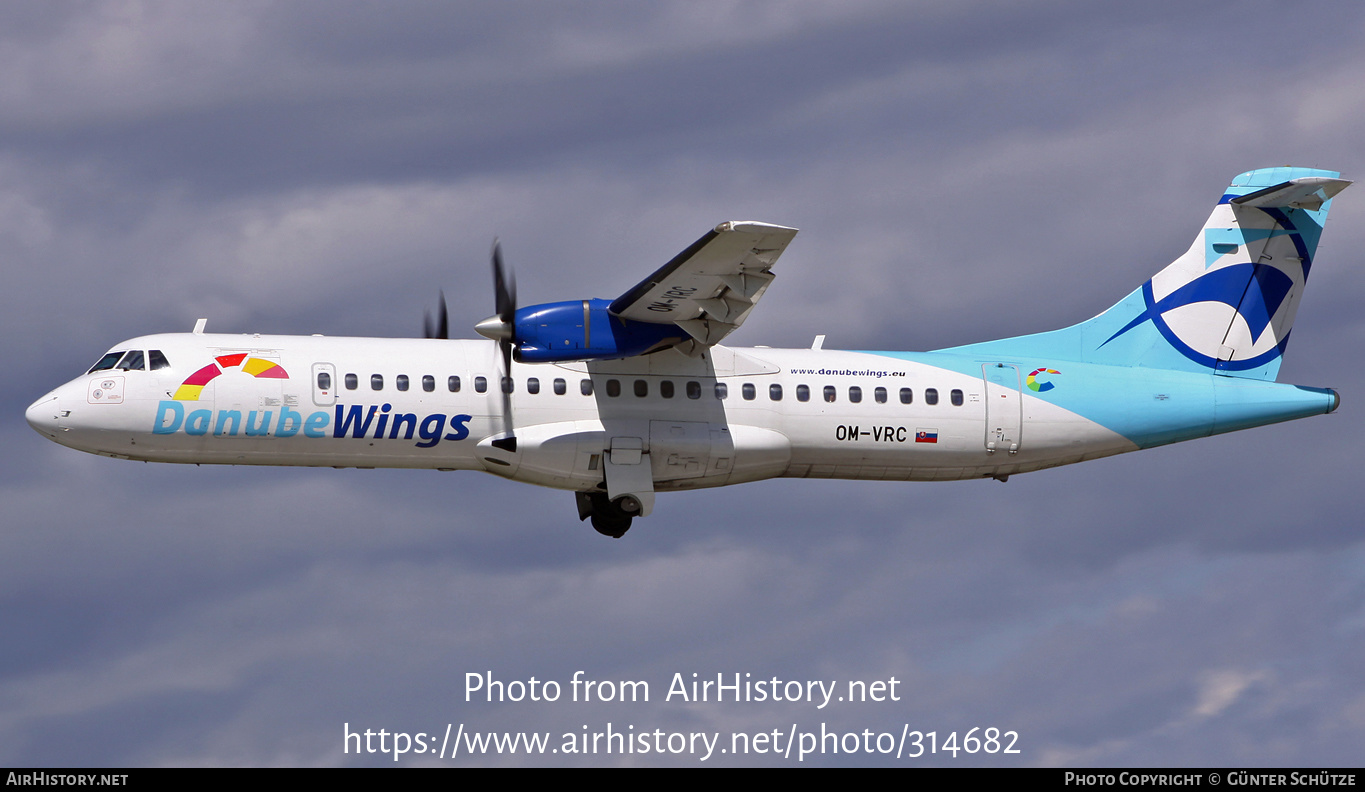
441	327
502	328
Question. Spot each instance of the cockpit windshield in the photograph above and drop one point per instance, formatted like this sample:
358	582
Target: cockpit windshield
132	360
107	362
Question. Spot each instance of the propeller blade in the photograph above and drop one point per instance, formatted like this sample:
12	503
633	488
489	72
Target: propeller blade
504	287
441	327
508	443
505	302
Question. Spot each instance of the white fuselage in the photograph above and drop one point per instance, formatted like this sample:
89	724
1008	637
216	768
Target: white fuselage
664	421
726	417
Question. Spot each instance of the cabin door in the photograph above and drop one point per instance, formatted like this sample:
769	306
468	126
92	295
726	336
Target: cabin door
1004	407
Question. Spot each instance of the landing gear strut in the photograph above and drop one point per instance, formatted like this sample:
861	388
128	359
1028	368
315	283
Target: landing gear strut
609	518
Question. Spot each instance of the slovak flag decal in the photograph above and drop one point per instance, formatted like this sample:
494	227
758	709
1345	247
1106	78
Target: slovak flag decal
926	435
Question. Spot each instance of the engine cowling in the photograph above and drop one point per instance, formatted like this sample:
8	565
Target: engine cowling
584	330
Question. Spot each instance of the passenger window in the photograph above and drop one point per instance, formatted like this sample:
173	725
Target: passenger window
693	389
376	382
666	389
105	363
956	397
613	388
533	385
722	390
931	395
775	392
585	387
352	382
507	385
157	361
803	393
324	381
428	383
480	384
830	394
453	384
748	391
855	394
907	396
880	395
132	361
641	388
560	386
401	382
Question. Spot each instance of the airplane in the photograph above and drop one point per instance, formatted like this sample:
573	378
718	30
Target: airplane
616	400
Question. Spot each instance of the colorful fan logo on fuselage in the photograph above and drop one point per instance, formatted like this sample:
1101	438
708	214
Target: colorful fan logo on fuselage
260	368
1034	385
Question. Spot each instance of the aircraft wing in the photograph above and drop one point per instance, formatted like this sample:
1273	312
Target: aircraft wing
709	288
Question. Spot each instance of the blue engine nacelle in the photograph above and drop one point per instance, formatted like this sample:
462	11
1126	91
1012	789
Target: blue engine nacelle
584	330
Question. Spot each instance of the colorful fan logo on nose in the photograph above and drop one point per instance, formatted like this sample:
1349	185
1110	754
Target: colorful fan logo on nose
260	368
1034	385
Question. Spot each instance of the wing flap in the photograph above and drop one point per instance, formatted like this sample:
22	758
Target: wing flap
706	331
748	283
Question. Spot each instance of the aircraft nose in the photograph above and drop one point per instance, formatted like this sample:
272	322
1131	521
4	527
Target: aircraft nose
44	414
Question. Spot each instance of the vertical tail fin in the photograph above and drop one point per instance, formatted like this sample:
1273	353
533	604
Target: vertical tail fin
1227	305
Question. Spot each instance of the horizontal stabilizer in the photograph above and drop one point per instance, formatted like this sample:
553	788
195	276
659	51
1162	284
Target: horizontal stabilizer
1306	193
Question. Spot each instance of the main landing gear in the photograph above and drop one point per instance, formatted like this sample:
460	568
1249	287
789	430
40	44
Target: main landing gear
609	517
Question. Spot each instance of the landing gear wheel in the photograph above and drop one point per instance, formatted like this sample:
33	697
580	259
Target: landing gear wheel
610	525
609	518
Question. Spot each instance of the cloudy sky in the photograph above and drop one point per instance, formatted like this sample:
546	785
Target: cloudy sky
958	171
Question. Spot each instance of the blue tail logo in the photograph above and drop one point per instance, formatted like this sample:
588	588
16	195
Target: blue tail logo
1254	291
